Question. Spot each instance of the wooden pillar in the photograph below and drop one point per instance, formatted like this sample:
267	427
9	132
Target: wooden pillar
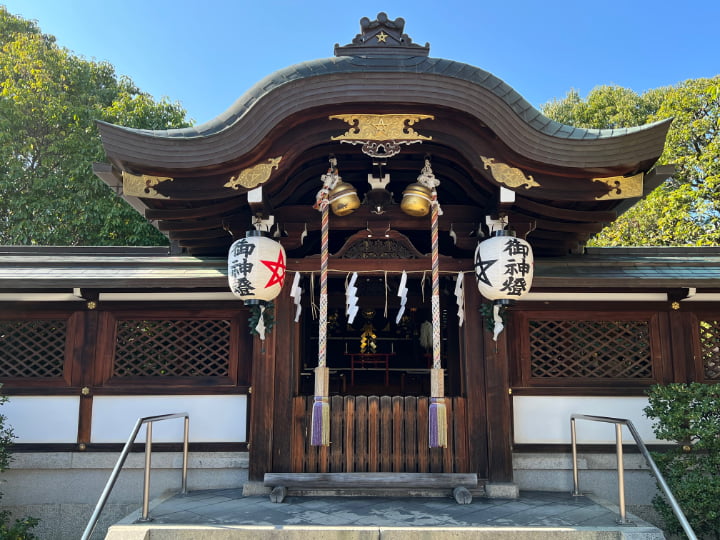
683	349
497	398
262	405
286	372
273	375
84	334
473	364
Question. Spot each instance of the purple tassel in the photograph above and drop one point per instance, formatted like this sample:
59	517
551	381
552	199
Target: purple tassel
433	424
320	425
316	426
438	423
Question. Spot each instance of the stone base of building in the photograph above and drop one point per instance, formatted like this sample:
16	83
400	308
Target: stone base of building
62	489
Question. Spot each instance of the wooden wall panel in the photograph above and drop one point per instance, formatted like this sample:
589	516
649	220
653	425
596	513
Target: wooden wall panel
379	434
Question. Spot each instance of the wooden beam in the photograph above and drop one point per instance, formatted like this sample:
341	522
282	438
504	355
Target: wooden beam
207	242
199	235
547	210
564	226
199	225
379	266
557	236
194	212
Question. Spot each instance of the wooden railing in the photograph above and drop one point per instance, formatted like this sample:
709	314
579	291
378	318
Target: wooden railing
379	434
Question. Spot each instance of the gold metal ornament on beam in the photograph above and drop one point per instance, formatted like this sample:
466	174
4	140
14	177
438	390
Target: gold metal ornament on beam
381	135
622	187
381	127
143	185
254	176
506	175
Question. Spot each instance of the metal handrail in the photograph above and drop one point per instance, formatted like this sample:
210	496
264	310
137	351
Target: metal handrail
148	451
619	422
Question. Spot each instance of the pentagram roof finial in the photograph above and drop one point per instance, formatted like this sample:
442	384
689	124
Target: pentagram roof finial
382	37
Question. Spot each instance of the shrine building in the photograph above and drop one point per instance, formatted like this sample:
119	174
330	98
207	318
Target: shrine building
378	171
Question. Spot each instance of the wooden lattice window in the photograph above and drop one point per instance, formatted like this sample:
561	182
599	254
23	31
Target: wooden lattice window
172	348
581	349
32	348
710	345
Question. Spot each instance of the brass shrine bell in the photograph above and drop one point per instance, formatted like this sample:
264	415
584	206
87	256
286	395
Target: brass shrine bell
343	199
416	200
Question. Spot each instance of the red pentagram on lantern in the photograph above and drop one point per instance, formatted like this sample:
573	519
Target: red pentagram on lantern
278	270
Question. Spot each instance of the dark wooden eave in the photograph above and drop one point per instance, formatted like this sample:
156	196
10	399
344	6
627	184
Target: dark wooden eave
348	84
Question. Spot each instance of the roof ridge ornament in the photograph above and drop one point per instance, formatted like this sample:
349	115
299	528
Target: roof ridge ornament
382	37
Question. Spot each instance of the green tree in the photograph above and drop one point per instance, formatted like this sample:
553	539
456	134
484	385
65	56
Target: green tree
606	107
689	415
49	102
685	210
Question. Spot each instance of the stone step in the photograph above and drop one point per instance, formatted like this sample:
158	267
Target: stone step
301	532
228	514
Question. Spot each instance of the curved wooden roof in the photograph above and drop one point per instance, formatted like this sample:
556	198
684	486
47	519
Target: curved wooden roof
350	82
481	134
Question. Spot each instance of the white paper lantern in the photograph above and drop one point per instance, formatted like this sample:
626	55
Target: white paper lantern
504	266
256	268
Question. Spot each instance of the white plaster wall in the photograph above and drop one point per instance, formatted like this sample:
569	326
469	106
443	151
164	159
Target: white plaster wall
212	418
546	419
39	419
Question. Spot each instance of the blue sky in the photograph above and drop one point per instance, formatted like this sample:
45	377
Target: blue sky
206	54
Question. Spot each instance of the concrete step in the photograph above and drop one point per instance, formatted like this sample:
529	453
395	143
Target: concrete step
228	514
290	532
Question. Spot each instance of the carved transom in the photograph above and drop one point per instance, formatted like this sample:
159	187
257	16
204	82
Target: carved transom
380	248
